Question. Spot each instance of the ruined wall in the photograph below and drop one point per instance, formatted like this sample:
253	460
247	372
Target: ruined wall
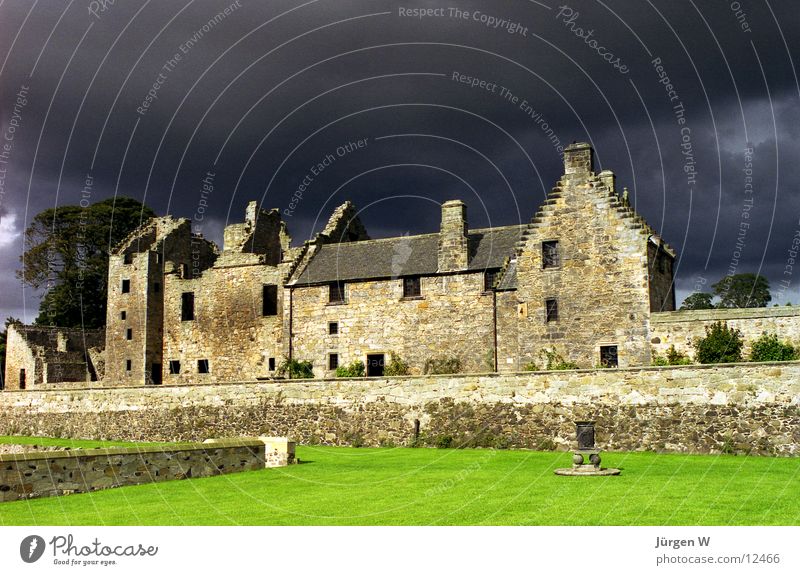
52	473
452	317
229	329
600	283
19	357
681	328
741	408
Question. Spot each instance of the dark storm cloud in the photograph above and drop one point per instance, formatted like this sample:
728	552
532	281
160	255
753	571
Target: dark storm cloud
263	94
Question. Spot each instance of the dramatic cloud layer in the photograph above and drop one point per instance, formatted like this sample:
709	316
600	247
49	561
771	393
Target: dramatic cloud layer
469	100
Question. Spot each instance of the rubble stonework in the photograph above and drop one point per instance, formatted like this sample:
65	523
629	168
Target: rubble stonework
732	408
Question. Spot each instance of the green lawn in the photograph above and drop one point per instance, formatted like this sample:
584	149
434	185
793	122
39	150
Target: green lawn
347	486
73	443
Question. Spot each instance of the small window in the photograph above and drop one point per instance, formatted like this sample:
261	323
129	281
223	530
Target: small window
333	327
269	303
202	366
123	314
183	271
411	287
127	259
551	310
156	287
129	333
336	292
126	286
158	257
174	367
272	364
333	360
489	278
127	365
187	306
550	258
608	356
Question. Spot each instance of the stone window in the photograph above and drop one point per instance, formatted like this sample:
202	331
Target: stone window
336	292
128	365
269	300
333	327
129	333
183	271
489	277
156	287
158	257
127	258
333	360
272	364
608	356
550	257
412	287
202	366
126	286
22	379
123	314
187	306
551	310
174	367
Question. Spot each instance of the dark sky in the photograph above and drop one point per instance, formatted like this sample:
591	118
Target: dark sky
261	95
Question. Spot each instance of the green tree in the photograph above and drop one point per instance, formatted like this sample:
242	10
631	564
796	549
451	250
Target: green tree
66	252
720	345
698	300
743	290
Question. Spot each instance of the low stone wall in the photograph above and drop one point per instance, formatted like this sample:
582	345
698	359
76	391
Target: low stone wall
36	474
751	408
681	328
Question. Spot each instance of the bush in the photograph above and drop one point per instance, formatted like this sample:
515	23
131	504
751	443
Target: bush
396	365
355	369
554	361
720	345
530	366
674	357
442	365
769	348
295	369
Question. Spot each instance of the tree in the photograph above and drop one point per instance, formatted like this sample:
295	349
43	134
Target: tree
66	252
698	300
720	345
743	290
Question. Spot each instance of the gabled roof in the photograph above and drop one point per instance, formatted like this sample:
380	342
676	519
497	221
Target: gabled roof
404	256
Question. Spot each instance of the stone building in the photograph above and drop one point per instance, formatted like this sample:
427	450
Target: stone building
586	280
37	355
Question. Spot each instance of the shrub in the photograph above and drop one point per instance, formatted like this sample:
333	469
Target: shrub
530	366
442	365
720	345
656	359
554	361
675	357
396	365
443	441
355	369
769	348
295	369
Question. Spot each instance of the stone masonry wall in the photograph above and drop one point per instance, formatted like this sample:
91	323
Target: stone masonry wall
452	317
752	408
681	328
29	475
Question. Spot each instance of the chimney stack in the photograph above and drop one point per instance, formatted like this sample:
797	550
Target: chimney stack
578	160
453	248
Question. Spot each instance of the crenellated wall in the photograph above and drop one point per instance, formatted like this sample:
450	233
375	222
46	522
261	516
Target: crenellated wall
741	408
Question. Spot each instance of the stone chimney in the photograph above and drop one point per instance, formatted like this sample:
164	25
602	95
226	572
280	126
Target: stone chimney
453	249
609	179
578	160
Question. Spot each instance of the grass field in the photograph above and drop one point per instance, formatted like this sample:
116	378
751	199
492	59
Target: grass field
401	486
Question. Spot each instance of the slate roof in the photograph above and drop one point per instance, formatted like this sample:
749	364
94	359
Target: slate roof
405	256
